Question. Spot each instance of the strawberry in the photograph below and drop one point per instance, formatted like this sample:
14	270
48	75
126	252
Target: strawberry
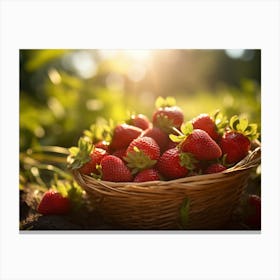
120	153
113	169
167	114
142	153
53	203
158	135
171	144
235	146
253	212
236	141
123	134
147	175
215	168
212	125
140	121
198	143
85	157
95	159
102	145
173	164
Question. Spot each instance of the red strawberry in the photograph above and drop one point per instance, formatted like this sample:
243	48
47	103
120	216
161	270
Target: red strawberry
158	135
201	145
206	123
102	145
173	164
236	141
253	212
113	169
95	159
142	153
53	203
120	153
147	175
215	168
123	134
85	157
140	121
235	146
167	114
171	144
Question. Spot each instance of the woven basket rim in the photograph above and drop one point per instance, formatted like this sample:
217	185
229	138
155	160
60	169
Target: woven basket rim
251	160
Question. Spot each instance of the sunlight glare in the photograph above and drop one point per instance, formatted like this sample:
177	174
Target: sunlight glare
235	53
138	55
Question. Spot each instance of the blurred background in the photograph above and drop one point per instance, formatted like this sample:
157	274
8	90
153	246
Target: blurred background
62	92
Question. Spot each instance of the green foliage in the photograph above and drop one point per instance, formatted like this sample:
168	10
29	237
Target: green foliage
165	102
242	125
184	213
79	155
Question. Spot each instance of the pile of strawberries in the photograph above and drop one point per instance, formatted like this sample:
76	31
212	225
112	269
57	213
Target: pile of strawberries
165	148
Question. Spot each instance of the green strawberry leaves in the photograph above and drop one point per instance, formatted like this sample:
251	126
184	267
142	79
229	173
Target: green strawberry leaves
242	125
79	155
100	131
138	160
188	160
186	129
184	213
220	120
165	102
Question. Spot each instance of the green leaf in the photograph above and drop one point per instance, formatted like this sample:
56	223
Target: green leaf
159	102
170	101
187	128
167	102
188	160
233	122
184	213
243	124
176	138
73	151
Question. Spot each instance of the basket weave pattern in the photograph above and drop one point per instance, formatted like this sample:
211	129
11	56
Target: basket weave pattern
156	205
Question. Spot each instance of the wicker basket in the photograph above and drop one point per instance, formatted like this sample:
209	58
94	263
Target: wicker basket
158	204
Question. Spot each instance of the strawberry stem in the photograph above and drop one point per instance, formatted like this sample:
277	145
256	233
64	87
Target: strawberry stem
177	131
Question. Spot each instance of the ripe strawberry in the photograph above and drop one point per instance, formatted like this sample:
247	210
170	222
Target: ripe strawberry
102	145
140	121
206	123
201	145
235	146
123	134
95	159
215	168
113	169
173	164
142	153
171	144
147	175
53	203
167	114
253	212
120	153
158	135
236	141
85	157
